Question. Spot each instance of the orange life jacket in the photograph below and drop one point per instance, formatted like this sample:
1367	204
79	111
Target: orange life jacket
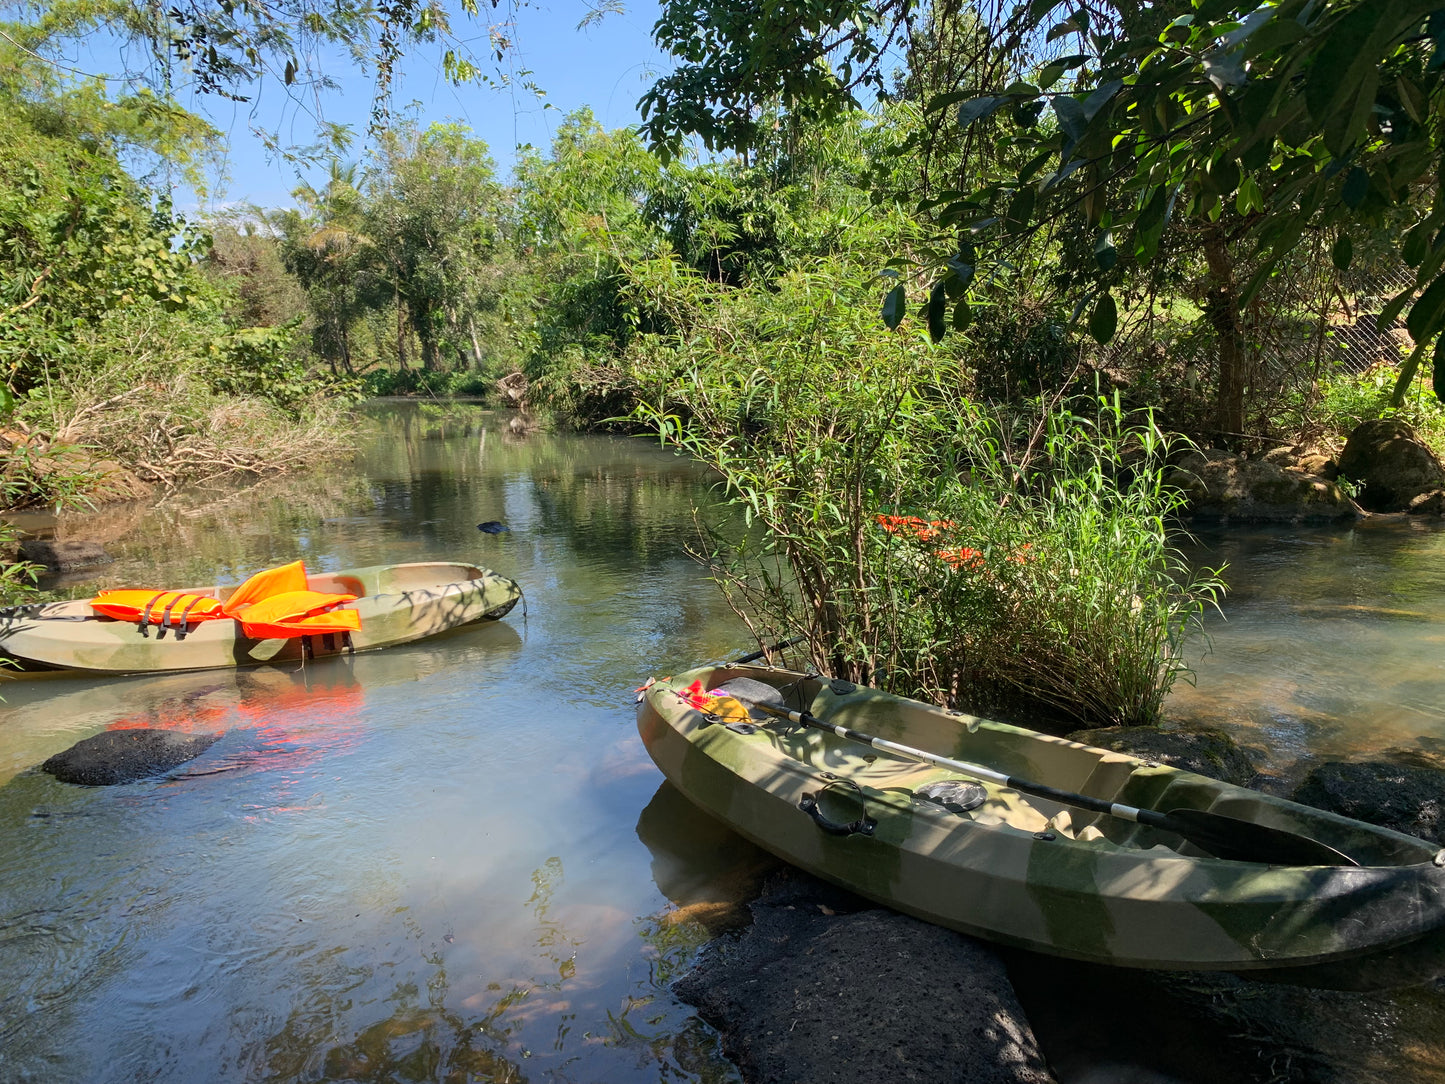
177	610
273	604
276	603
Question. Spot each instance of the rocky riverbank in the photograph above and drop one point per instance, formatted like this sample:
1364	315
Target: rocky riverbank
821	985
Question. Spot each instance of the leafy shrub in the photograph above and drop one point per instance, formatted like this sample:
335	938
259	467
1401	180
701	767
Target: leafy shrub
1342	400
1029	567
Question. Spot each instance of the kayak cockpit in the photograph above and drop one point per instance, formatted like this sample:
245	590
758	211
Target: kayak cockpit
1068	765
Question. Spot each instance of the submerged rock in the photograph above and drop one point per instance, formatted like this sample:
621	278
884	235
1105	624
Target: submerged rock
124	756
68	556
1391	464
1222	486
1109	1025
816	991
1405	792
1206	752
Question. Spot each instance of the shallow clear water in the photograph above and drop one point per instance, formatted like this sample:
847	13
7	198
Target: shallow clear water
1330	643
453	860
415	863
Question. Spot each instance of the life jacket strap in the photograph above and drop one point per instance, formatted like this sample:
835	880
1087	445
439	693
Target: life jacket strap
145	617
185	628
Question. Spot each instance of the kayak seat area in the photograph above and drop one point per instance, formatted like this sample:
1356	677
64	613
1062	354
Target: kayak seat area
399	579
336	583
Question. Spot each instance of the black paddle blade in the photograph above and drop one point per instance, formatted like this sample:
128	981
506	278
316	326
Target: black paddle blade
751	693
1237	840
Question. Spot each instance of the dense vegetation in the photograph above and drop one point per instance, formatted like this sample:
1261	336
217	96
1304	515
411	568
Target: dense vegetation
937	348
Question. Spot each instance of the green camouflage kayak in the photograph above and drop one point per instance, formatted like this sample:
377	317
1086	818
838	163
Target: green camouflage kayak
397	603
998	862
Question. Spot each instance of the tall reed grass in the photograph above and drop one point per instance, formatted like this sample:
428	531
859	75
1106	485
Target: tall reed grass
1021	565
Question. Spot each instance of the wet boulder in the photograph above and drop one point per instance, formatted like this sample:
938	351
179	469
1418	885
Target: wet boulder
1390	464
1203	751
1109	1025
1222	486
816	990
1405	791
125	756
69	556
1431	503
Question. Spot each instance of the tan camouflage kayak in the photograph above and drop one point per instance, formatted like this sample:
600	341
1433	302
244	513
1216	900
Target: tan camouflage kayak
396	604
1254	882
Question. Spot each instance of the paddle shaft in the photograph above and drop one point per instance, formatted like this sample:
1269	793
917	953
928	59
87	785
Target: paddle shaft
1150	817
754	656
1225	837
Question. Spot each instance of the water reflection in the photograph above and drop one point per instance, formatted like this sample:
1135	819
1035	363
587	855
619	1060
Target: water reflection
414	864
453	857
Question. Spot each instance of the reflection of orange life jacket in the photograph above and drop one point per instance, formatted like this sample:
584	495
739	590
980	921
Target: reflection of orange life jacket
275	603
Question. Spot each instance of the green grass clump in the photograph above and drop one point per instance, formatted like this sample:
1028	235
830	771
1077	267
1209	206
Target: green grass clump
1036	577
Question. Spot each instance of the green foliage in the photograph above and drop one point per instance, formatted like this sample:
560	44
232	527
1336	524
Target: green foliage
235	50
580	221
113	339
1347	399
407	257
1122	141
262	363
385	382
1038	572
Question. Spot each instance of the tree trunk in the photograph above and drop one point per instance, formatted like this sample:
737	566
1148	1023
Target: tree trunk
346	349
1222	307
400	334
476	346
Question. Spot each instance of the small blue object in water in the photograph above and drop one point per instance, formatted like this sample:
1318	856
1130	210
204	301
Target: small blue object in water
492	526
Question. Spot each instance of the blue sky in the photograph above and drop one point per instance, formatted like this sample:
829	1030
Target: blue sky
607	66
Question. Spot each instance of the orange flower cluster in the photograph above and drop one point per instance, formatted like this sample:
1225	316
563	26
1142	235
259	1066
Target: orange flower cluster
923	530
961	557
928	530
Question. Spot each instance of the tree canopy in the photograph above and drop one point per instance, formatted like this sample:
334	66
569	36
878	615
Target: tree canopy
1253	125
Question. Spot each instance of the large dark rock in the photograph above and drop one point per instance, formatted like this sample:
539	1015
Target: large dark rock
124	756
1220	485
1405	793
69	556
1207	752
812	992
1105	1025
1391	464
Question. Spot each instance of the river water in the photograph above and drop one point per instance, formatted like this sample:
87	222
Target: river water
453	860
